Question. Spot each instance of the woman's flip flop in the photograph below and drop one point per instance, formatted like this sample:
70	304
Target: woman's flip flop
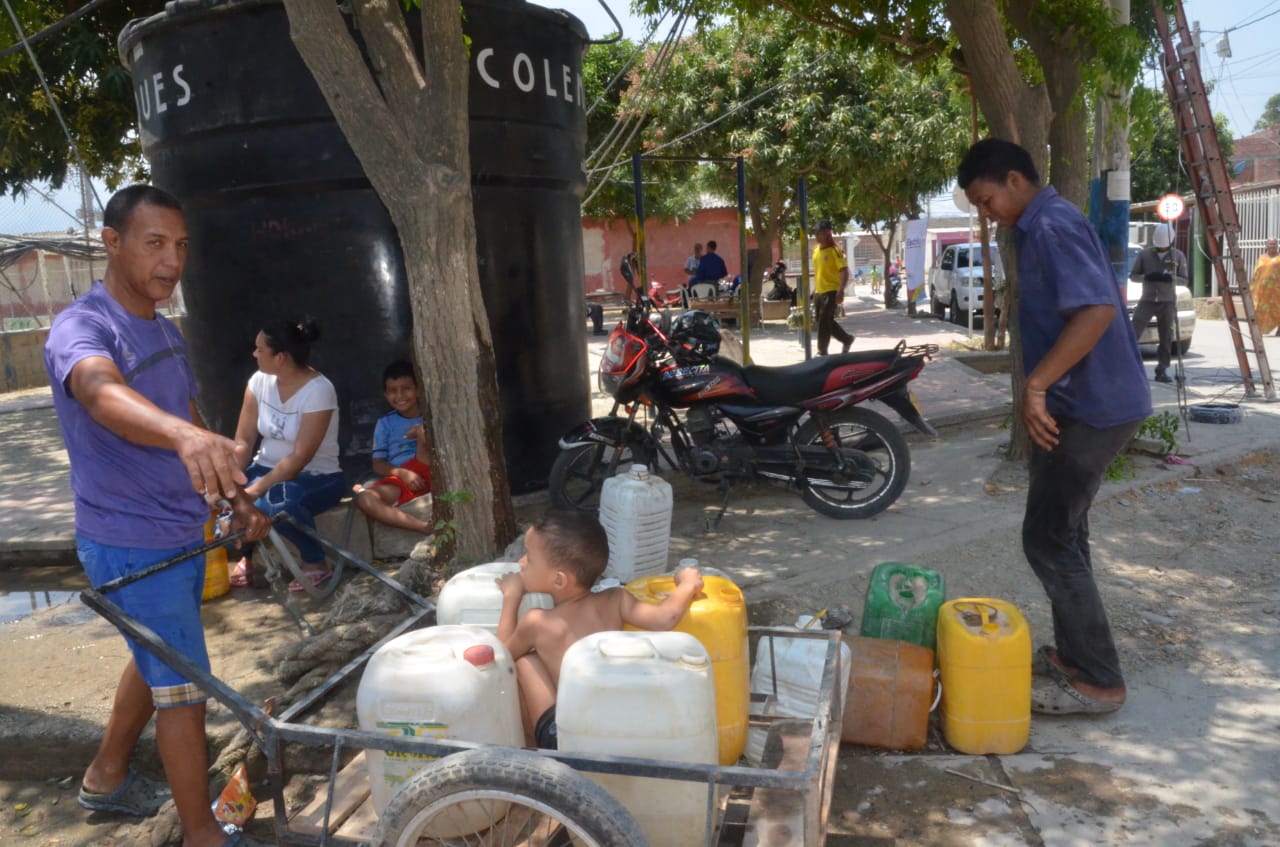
239	576
316	578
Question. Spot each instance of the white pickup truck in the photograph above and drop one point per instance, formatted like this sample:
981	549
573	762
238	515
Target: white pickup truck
955	282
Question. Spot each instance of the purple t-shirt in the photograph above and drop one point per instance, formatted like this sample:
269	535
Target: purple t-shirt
1061	269
126	495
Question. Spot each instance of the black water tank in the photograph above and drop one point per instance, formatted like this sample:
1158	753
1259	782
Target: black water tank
283	221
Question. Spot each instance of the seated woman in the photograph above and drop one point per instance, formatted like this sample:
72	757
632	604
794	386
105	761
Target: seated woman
293	407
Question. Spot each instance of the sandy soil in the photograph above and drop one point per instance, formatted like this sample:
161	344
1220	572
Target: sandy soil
1186	565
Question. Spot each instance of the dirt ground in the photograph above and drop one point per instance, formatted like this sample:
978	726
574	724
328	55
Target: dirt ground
1186	564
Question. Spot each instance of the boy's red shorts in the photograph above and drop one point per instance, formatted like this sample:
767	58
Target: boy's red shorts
406	493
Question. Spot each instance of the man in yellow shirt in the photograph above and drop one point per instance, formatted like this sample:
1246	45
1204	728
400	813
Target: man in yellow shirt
831	274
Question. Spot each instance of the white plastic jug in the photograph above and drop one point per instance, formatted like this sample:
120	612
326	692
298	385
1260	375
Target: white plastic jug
472	597
442	682
635	511
800	662
649	695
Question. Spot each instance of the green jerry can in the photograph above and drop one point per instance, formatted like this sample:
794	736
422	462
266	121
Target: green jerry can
903	602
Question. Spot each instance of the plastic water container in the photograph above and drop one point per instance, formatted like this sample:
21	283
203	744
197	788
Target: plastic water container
442	682
890	694
718	619
902	603
799	681
984	654
217	576
635	511
650	695
472	597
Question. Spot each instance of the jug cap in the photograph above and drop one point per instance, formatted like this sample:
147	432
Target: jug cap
479	655
639	471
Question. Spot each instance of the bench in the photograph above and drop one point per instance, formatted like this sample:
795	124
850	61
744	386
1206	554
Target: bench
727	309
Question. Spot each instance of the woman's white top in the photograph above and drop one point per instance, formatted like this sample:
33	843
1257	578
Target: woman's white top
279	422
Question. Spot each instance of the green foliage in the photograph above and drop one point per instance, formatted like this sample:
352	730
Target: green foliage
870	135
93	90
1121	467
1270	114
673	194
1163	428
446	530
1156	166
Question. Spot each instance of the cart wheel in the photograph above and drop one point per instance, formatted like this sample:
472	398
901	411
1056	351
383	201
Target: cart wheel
490	797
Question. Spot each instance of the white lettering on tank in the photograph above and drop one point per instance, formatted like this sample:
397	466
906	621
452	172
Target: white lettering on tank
185	97
567	80
481	58
546	77
156	88
523	61
143	98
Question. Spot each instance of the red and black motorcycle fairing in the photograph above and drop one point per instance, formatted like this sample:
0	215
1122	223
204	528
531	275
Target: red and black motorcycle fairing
719	421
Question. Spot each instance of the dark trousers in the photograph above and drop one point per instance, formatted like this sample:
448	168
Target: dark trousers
596	312
1165	314
825	304
1055	539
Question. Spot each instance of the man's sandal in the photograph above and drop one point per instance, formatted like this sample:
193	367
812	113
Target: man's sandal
1042	664
1059	697
137	796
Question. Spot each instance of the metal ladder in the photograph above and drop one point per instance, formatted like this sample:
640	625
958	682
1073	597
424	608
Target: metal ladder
1203	155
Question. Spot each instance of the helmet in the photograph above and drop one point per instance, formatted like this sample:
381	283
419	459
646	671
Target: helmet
1162	237
698	330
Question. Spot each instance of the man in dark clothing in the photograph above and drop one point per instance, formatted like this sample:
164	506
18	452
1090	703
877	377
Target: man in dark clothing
711	267
1084	399
1159	268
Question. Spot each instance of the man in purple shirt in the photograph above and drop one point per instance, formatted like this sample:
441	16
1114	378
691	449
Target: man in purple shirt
1085	397
143	469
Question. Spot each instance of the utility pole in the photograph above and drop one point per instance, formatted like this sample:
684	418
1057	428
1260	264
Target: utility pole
1109	188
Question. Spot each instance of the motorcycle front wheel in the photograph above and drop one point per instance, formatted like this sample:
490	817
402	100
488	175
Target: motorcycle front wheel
578	473
874	464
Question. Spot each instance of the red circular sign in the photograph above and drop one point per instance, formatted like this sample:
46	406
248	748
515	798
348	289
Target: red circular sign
1170	207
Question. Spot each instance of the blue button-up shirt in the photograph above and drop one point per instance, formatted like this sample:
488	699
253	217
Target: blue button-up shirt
1062	268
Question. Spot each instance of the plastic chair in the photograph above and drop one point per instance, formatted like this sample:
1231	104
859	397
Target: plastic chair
703	291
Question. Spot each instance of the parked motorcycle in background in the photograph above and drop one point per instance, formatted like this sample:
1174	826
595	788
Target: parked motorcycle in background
677	402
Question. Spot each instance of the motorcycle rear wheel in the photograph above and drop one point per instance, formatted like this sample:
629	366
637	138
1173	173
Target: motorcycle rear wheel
876	459
578	473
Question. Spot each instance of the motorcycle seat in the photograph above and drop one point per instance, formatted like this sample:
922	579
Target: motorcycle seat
791	383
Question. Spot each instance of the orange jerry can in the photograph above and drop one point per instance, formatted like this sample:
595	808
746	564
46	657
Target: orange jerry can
890	695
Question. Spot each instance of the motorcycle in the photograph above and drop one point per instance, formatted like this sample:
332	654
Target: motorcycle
722	422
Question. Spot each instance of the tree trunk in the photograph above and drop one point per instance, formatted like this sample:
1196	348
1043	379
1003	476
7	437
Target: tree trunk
1061	57
1014	111
409	129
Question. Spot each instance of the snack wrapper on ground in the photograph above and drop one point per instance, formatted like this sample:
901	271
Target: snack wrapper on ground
235	804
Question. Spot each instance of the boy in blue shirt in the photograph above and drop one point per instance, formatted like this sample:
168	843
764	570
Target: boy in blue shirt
400	454
1086	395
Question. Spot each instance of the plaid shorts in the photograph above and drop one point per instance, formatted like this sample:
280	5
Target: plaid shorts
167	603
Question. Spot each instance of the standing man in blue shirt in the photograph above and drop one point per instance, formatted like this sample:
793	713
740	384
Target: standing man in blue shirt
1085	397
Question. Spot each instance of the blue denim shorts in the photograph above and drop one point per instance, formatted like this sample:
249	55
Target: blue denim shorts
167	602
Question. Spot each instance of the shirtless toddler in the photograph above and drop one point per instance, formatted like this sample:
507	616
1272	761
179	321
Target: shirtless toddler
565	553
